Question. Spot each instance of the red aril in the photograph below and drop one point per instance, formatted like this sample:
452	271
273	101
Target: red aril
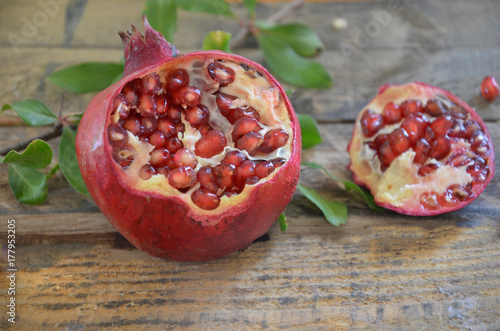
443	163
189	156
489	88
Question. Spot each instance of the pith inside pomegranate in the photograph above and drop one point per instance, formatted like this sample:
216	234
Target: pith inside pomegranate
421	150
190	157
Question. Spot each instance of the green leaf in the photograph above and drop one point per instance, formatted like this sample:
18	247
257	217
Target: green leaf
34	113
349	186
162	15
291	67
283	222
250	4
335	212
301	38
5	107
310	131
68	161
217	40
86	77
54	170
37	155
216	7
28	185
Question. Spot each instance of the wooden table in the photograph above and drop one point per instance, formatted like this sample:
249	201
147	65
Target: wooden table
380	271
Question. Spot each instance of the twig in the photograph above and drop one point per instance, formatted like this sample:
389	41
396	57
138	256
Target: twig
54	133
246	27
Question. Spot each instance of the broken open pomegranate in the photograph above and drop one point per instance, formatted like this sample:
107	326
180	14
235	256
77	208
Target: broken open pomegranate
193	156
421	150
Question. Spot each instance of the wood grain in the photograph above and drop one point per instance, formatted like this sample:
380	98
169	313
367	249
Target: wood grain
380	271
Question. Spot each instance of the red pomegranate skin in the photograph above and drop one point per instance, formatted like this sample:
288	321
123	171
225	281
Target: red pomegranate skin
416	90
167	227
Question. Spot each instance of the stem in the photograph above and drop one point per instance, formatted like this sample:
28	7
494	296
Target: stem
246	27
54	133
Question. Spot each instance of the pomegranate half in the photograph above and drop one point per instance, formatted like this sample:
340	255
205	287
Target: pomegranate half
190	157
421	150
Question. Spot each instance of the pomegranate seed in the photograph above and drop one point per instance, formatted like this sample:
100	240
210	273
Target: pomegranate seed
123	155
264	169
184	157
458	160
391	113
431	200
224	103
151	84
149	125
479	144
130	94
117	135
241	112
179	128
429	135
386	155
207	179
440	148
146	172
371	123
204	129
225	175
411	107
489	88
147	105
244	171
399	141
157	139
279	162
121	105
133	125
457	129
457	193
161	105
273	140
182	177
252	180
163	170
205	199
178	80
478	171
415	127
159	157
210	144
197	115
421	149
174	113
234	157
471	127
379	140
250	142
244	125
442	125
427	169
166	127
173	144
220	73
188	95
458	112
436	108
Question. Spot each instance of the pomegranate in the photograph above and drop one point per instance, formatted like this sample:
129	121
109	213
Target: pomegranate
421	150
190	157
489	88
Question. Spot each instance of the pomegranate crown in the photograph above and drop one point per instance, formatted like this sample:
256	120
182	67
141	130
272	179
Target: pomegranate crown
142	50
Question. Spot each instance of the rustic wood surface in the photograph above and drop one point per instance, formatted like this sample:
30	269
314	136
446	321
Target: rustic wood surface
380	271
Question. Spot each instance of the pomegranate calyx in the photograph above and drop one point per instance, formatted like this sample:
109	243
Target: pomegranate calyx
142	50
